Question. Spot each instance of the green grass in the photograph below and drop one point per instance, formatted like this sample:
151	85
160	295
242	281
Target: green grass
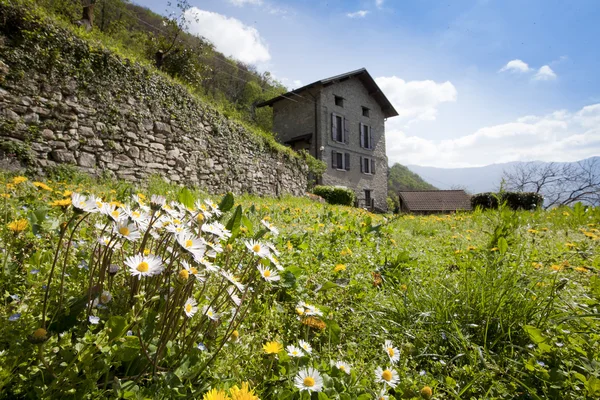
495	304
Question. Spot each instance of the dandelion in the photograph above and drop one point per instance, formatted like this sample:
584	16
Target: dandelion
272	347
242	394
140	265
387	376
339	267
391	351
18	225
305	346
190	307
5	195
215	394
314	323
294	351
309	379
267	274
61	203
19	179
210	313
257	248
42	186
343	366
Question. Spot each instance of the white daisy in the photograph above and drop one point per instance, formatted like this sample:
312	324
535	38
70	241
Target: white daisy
156	201
267	274
204	209
275	262
231	278
392	352
105	297
127	231
312	310
272	247
106	241
270	227
140	265
207	264
257	248
217	229
309	379
190	307
193	271
210	313
305	346
191	243
294	351
233	296
213	207
139	217
83	204
343	366
387	376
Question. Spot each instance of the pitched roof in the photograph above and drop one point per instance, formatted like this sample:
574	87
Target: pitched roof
362	74
436	200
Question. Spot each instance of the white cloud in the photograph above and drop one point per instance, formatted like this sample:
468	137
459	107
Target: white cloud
415	100
558	136
229	35
241	3
545	73
358	14
379	3
516	66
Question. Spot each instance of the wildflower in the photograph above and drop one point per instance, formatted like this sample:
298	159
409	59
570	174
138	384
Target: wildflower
289	245
19	179
426	392
272	347
94	320
40	335
217	229
556	267
471	248
210	313
275	262
257	248
305	346
534	231
272	248
312	310
387	376
82	204
314	323
570	245
339	267
190	269
18	225
201	347
215	394
42	186
383	396
267	274
156	202
61	203
294	351
235	335
270	227
343	366
242	394
581	269
190	307
14	317
5	195
233	296
105	297
232	279
140	265
191	243
309	379
127	231
391	351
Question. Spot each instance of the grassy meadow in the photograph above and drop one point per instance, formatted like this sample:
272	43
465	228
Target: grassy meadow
110	290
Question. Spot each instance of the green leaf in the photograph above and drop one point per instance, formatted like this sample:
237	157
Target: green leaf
129	349
234	223
227	202
328	285
186	197
116	326
247	224
502	245
364	396
322	396
535	334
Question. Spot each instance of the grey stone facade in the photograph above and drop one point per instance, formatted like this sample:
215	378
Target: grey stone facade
128	122
297	116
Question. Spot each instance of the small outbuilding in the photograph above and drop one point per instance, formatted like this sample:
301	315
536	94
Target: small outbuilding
434	201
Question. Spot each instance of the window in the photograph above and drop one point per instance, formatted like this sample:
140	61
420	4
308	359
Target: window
366	138
368	197
339	128
365	111
339	101
367	165
340	161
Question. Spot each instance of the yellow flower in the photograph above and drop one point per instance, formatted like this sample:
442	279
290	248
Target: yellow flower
590	235
494	249
570	245
5	195
146	252
61	203
10	186
19	179
339	267
457	251
581	269
235	335
532	231
403	287
426	392
42	185
272	347
215	394
18	225
471	248
267	218
67	193
242	394
289	245
536	265
556	267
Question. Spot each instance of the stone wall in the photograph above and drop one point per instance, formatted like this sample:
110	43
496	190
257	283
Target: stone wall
64	100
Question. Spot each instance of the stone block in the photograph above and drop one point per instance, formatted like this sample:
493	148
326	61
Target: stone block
86	160
86	131
123	160
161	127
157	146
134	152
63	156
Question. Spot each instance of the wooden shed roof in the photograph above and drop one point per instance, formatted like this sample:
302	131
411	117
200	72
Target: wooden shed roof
436	200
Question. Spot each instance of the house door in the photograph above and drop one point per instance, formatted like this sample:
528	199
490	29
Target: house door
368	198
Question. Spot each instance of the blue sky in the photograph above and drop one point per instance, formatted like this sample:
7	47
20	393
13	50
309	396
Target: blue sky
475	82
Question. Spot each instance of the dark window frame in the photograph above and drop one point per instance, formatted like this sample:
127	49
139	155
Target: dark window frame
339	101
366	112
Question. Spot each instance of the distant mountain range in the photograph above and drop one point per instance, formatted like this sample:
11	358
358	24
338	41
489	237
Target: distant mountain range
473	180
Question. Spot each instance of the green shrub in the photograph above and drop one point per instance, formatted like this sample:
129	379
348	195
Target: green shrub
336	195
514	200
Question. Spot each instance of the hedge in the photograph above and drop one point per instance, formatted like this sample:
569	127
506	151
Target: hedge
335	195
514	200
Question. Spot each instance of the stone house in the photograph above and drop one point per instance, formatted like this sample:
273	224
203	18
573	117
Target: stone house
341	121
434	201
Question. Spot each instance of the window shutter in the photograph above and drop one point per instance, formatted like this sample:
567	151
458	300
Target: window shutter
347	161
333	159
346	131
333	126
362	138
361	165
370	139
373	166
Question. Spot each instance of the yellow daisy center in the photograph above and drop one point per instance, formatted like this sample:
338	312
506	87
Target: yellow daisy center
188	308
387	375
188	244
267	273
115	214
391	351
193	270
209	313
308	382
256	248
342	368
124	231
136	214
143	266
184	274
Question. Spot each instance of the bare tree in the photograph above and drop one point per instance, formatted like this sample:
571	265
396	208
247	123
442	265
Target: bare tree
559	183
